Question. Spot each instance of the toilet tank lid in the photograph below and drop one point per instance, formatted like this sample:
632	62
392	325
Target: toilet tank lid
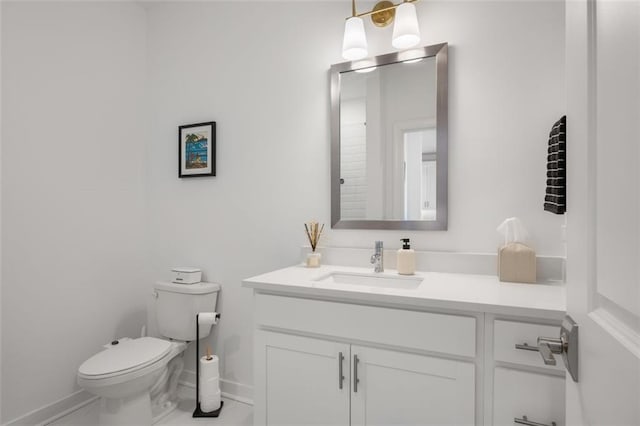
198	288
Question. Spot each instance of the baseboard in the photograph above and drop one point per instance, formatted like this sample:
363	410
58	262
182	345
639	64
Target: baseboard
232	390
54	411
65	406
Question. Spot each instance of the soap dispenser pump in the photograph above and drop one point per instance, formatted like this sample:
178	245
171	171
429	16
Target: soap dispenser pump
406	258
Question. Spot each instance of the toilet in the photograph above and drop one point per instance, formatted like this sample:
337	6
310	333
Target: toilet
136	379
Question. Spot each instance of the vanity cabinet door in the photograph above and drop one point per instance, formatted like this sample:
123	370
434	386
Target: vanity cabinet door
299	381
408	389
539	397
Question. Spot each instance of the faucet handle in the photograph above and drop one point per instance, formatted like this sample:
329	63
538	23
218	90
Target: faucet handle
373	259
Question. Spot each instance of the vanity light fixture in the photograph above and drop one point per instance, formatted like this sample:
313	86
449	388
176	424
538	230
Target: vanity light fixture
406	31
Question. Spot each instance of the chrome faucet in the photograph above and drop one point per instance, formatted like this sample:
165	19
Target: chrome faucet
377	259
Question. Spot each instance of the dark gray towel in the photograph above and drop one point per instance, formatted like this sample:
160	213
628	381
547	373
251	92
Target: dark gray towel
555	200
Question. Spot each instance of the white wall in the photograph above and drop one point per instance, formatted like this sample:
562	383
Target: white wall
73	113
261	71
263	77
75	74
506	88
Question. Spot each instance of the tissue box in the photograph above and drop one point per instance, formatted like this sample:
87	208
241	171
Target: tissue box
186	275
517	263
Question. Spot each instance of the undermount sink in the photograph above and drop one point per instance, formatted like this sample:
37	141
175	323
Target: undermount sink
371	280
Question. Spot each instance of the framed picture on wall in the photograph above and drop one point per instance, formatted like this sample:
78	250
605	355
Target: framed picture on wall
197	150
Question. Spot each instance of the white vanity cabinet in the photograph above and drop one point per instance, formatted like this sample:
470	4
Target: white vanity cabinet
372	365
444	354
316	381
402	388
523	387
524	395
300	381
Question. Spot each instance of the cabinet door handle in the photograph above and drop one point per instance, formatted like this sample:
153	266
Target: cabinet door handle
525	421
355	373
340	374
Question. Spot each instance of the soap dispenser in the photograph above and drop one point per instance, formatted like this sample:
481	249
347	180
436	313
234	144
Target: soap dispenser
406	259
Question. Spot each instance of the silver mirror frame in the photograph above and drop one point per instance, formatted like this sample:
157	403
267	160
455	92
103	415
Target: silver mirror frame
440	52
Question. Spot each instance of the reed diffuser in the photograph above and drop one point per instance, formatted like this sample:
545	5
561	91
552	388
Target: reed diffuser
314	232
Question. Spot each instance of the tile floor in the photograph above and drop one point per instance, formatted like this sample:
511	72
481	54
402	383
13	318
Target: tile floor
233	413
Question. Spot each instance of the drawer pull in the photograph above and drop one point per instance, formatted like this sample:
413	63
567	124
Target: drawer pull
525	421
526	347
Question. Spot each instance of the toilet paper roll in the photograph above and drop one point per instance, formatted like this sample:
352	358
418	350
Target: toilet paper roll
208	318
210	403
208	368
209	384
210	387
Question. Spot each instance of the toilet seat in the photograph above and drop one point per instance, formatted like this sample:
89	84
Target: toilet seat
127	357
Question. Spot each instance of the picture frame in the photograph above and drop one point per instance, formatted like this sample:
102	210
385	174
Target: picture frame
197	150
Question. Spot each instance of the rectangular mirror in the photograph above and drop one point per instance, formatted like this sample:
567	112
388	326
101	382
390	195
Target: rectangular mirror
389	141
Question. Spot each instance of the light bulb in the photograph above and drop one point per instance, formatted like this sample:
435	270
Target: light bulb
354	45
406	32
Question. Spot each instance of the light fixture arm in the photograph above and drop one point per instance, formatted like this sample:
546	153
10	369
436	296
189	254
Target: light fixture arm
406	31
371	12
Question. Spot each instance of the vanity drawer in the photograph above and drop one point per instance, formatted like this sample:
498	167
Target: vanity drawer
538	396
508	334
428	331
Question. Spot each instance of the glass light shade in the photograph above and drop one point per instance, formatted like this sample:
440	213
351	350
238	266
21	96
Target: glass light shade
354	45
406	32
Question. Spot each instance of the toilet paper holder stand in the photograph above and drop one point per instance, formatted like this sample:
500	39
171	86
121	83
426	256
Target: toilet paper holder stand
209	319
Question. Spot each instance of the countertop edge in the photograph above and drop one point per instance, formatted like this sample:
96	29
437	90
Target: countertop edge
404	301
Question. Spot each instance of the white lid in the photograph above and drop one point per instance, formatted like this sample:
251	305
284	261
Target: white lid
185	269
124	356
198	288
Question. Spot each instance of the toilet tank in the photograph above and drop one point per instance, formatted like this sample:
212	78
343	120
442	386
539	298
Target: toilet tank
177	306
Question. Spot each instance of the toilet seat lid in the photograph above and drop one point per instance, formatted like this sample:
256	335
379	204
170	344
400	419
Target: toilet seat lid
125	356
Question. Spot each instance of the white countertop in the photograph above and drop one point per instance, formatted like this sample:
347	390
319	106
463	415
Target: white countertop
463	292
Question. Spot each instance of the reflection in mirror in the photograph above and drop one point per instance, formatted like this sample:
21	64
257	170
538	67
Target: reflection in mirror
390	142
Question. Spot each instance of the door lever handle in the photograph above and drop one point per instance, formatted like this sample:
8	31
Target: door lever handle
566	345
547	350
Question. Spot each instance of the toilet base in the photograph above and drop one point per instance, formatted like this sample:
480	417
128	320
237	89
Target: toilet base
135	410
159	413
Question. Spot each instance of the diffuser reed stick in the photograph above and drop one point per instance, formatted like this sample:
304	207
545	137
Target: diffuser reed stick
314	231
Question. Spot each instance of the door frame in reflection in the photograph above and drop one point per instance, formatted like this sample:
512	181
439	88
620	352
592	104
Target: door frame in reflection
395	189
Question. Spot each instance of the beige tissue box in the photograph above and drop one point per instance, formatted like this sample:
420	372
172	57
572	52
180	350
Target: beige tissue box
517	263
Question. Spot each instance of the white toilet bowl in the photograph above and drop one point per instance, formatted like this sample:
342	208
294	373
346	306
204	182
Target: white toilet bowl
123	376
137	379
